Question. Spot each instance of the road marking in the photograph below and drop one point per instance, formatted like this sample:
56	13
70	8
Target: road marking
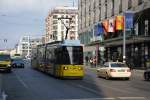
115	89
22	82
131	98
91	90
89	99
4	95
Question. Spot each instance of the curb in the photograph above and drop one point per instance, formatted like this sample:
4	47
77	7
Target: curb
139	71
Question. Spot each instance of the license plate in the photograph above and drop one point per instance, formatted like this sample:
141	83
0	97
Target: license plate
121	70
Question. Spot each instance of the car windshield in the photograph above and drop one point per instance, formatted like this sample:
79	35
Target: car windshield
4	57
118	65
17	60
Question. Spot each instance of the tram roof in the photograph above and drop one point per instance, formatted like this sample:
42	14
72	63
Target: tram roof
64	43
71	43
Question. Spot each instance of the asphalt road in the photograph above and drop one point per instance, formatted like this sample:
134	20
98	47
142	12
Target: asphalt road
29	84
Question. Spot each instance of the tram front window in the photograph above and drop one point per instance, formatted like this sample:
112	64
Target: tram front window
70	55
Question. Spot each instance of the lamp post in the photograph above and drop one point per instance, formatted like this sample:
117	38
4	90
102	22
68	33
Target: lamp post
124	42
128	24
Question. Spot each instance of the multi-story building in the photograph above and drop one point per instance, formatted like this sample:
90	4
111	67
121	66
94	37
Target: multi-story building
26	44
57	21
109	44
34	41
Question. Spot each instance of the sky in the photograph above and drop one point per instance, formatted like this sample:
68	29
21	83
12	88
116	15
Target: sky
25	17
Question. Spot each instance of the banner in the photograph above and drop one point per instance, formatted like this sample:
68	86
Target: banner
129	20
111	26
98	29
119	22
105	25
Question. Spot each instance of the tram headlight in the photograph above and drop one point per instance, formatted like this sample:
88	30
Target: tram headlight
65	68
80	68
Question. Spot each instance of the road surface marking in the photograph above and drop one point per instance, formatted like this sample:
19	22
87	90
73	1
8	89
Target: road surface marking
115	89
4	95
89	99
22	82
91	90
131	98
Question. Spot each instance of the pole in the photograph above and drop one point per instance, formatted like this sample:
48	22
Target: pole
124	42
28	46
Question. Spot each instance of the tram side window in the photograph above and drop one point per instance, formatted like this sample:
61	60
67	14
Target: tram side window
58	55
49	56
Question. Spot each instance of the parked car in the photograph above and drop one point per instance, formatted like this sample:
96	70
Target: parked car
114	70
147	74
18	63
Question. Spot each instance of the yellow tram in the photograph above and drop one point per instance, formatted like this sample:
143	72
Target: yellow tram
60	59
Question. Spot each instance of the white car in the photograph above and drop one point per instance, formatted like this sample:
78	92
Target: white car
114	70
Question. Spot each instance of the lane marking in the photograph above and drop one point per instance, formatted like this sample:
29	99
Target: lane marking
89	89
4	95
114	89
109	98
21	81
89	99
132	98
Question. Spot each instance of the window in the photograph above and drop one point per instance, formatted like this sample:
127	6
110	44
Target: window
55	16
129	4
62	27
67	21
140	2
105	8
118	65
106	65
112	12
54	21
120	6
100	10
69	55
54	27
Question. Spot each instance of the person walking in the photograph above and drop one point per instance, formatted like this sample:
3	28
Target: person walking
91	61
94	61
86	60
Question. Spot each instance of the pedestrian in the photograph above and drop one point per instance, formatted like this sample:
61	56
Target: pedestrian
94	61
86	60
91	61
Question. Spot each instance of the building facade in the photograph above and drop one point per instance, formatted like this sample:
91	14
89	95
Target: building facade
26	44
109	45
57	21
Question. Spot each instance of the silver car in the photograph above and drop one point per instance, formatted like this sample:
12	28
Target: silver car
114	70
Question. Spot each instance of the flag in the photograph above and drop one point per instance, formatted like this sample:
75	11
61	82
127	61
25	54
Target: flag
98	29
128	20
105	25
119	22
111	25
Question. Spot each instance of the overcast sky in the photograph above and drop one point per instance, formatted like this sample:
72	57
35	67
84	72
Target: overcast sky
25	17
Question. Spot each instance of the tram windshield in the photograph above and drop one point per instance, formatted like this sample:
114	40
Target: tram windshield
70	55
